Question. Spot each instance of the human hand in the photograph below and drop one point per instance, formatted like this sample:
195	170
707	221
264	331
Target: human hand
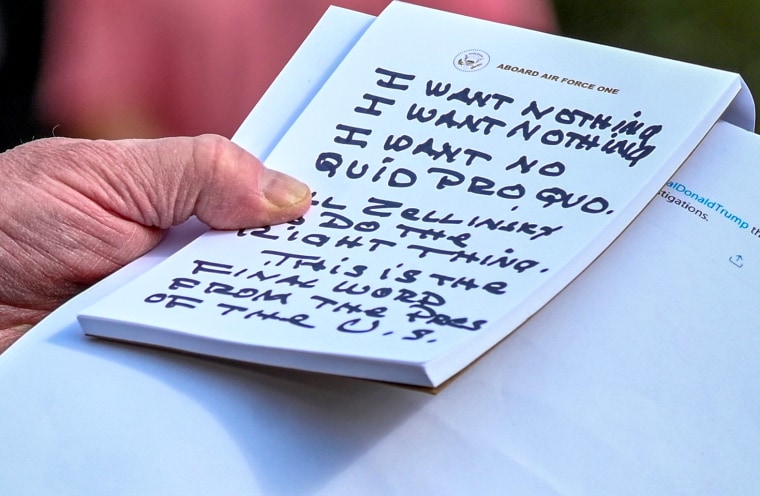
74	211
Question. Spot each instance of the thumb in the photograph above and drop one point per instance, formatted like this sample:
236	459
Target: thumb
73	211
160	183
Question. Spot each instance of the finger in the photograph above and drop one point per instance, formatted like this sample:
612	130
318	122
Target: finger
11	335
236	190
160	183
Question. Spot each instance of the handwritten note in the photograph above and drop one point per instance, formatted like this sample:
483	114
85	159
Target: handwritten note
450	189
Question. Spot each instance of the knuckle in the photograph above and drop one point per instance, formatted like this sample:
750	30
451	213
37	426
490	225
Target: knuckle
210	149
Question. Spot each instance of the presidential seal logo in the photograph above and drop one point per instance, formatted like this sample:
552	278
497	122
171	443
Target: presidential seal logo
471	60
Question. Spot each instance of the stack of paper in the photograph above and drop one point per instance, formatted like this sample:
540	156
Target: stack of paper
464	172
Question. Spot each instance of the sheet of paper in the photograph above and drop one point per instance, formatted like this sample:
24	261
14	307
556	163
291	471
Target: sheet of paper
457	189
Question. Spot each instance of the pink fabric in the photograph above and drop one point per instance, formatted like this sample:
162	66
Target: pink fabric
196	66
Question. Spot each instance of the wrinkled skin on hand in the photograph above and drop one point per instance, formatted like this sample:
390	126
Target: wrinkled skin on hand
74	211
